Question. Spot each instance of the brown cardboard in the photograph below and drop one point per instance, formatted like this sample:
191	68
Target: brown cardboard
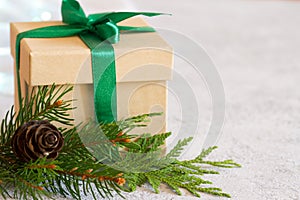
143	64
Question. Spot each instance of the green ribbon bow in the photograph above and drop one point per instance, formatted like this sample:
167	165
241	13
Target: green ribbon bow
98	31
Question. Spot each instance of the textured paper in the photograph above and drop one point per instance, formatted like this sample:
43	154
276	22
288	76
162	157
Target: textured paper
146	52
143	65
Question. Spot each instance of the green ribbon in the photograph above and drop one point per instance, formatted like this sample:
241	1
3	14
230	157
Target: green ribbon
98	31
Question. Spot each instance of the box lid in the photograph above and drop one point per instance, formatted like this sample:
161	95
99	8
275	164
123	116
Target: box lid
139	56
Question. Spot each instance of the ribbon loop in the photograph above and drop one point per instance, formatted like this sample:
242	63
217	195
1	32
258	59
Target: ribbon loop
72	13
108	31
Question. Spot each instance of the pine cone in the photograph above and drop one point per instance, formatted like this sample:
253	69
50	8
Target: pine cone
37	139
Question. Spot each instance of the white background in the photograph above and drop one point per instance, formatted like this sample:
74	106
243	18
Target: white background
256	47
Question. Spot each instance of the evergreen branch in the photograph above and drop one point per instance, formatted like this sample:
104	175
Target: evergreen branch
5	177
8	126
176	151
44	103
97	158
182	174
127	125
205	153
27	187
224	164
150	143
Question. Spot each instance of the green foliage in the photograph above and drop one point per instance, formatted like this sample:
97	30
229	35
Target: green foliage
182	174
42	104
150	143
176	151
96	159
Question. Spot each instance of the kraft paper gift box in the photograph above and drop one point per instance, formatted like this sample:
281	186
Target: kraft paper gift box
143	67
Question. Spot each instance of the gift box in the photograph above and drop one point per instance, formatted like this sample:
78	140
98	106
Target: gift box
143	66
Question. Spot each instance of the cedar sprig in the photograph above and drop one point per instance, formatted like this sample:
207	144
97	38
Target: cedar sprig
141	153
177	150
97	159
149	143
179	175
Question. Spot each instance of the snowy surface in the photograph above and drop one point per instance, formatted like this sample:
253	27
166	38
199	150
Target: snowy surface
256	48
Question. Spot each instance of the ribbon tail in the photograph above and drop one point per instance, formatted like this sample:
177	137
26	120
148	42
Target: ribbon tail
136	29
104	78
119	16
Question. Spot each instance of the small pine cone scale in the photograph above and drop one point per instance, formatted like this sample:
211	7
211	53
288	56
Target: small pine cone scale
37	139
